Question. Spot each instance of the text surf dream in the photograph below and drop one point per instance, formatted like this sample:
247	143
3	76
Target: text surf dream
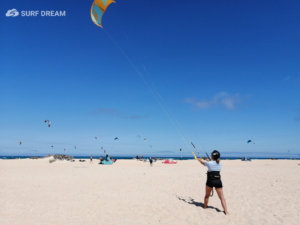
43	13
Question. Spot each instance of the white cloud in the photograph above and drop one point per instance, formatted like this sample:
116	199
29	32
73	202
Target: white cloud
220	99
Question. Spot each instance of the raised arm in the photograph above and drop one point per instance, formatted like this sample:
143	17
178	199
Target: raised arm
201	161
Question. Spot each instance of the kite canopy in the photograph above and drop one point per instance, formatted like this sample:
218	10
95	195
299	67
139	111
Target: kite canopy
49	122
116	138
98	9
249	141
20	142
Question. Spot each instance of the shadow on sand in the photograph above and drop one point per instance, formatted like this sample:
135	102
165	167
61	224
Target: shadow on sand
191	201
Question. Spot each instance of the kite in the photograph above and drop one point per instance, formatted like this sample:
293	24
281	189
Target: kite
101	147
104	151
75	147
116	138
64	149
96	138
181	149
49	122
139	136
145	139
98	9
20	142
150	146
251	141
52	146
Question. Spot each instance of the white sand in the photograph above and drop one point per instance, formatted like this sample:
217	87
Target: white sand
131	192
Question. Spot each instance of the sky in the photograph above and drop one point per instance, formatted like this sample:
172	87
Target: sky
215	73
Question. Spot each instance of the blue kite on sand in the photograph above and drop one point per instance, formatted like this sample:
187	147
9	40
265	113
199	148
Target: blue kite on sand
108	162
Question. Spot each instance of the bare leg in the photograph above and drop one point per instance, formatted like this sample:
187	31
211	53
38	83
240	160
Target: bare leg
223	202
207	194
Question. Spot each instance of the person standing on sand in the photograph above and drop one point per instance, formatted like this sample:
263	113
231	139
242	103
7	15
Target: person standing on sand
214	179
91	159
151	161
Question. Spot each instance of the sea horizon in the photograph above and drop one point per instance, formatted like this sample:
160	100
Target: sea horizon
115	156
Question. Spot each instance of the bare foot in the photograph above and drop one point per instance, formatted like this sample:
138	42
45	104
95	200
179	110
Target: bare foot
226	213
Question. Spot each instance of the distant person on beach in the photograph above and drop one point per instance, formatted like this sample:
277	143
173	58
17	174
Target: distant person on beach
151	161
91	159
214	179
137	157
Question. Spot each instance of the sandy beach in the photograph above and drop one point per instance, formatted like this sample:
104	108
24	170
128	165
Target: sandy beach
132	192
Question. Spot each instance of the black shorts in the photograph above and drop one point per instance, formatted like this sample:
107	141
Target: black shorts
214	183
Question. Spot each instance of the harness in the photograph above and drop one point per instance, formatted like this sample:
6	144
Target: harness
213	175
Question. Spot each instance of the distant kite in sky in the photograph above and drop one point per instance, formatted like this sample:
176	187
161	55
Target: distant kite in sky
52	146
20	142
150	146
145	139
181	149
49	122
116	138
96	138
249	141
138	136
104	151
75	147
98	9
64	149
101	147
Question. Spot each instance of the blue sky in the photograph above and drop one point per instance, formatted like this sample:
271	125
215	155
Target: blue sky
228	71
